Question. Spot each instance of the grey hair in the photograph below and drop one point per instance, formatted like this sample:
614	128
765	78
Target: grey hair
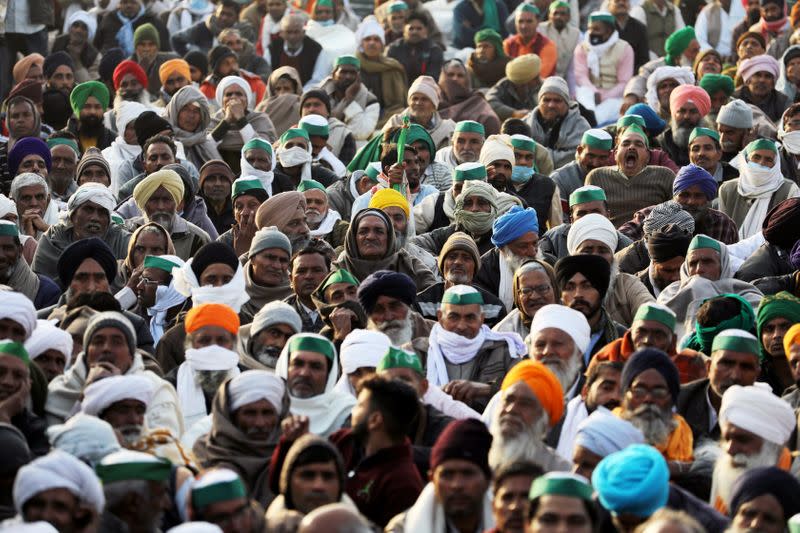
681	520
27	179
530	266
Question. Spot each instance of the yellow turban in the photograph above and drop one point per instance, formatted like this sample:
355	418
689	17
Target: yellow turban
791	338
169	179
523	68
168	68
389	198
543	383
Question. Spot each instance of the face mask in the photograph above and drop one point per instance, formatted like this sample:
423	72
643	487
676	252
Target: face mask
521	174
791	141
595	39
326	23
294	156
758	168
198	5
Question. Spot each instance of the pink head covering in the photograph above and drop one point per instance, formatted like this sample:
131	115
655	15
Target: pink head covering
21	67
690	94
762	63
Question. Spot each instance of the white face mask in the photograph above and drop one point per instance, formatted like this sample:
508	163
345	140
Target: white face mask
294	156
791	141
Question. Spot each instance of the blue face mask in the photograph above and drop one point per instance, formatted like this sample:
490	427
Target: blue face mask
756	166
198	5
521	174
326	23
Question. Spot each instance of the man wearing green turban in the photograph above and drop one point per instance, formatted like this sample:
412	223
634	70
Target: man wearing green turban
89	101
487	64
776	314
681	48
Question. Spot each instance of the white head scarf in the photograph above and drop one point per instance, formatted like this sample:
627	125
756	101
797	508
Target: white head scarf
227	81
7	206
254	385
757	184
86	437
594	227
682	75
570	321
46	336
18	307
86	18
233	294
101	394
604	433
361	348
92	192
369	27
757	410
58	470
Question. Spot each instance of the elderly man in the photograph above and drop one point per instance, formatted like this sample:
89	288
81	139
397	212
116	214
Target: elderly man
158	197
528	39
266	271
519	430
16	396
260	342
370	245
58	480
472	373
515	236
582	284
246	418
64	154
765	499
295	159
563	33
688	105
36	210
110	348
437	211
598	436
351	101
760	74
652	184
593	152
396	206
89	101
219	496
17	274
387	297
383	76
89	211
122	402
736	128
462	449
650	385
563	497
534	288
295	48
423	102
309	364
465	146
556	123
459	262
759	187
515	95
755	426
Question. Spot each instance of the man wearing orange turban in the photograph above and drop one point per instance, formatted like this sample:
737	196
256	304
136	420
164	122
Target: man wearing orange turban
173	74
530	402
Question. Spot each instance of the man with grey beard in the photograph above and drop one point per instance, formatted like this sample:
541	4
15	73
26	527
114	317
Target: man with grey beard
650	385
122	402
323	222
387	298
688	104
755	427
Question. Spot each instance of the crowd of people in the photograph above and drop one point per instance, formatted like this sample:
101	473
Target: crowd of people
303	266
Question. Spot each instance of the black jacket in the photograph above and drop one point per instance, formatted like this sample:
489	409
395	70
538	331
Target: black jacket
767	260
307	59
693	406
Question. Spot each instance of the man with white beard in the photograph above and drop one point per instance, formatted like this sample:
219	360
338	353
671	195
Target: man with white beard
755	427
122	402
650	386
688	104
387	298
323	222
531	400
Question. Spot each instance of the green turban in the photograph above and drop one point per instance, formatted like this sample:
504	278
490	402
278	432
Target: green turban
82	92
677	43
493	37
713	83
781	305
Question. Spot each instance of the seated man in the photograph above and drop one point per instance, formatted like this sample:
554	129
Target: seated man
667	249
310	366
15	364
416	51
383	76
388	297
307	270
566	496
518	430
593	152
688	105
160	307
756	493
705	151
528	39
36	210
781	232
776	314
472	375
260	342
423	102
556	123
323	221
219	497
759	74
516	94
536	190
50	348
600	435
486	65
247	194
17	274
295	160
244	428
736	128
534	287
336	301
266	271
465	146
351	100
122	402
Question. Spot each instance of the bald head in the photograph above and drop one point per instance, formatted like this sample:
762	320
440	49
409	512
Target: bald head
334	518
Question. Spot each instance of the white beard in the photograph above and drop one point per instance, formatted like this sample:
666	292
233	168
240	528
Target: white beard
314	218
565	371
727	469
515	261
528	445
398	331
655	424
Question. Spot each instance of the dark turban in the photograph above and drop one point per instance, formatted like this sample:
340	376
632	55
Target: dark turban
198	60
55	60
149	124
91	248
593	267
109	62
211	254
667	243
217	54
648	358
767	480
691	175
386	283
781	226
29	88
468	440
25	147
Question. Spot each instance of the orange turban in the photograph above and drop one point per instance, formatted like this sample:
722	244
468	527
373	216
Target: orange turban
21	67
212	315
168	68
790	338
542	382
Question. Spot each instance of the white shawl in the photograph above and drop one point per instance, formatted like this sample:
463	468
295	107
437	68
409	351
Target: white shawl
427	513
758	184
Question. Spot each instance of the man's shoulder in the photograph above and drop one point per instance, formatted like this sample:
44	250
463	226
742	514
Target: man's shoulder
689	391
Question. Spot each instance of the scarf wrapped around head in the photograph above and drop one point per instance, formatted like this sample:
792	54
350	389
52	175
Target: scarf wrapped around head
189	95
761	63
85	17
757	183
476	223
703	337
683	75
781	305
227	81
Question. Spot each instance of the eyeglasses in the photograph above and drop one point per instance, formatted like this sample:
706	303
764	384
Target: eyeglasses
657	393
147	281
539	289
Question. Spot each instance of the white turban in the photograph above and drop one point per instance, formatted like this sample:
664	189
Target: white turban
7	206
227	81
100	395
363	348
497	148
595	227
603	433
46	336
58	470
86	437
570	321
369	27
27	179
18	308
92	192
195	527
127	112
254	385
35	527
757	410
683	75
86	18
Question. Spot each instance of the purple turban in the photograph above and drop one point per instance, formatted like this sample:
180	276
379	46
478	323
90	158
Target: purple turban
512	225
25	147
694	175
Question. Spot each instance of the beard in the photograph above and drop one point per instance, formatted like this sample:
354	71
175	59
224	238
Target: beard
90	124
655	423
680	134
314	218
210	380
515	261
299	242
267	355
457	277
398	331
165	219
527	445
130	434
565	371
727	469
400	238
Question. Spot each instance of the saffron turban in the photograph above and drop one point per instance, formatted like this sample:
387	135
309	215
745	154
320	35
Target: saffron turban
173	66
633	481
82	92
104	393
129	67
791	338
254	385
513	224
757	410
651	358
689	94
594	227
169	179
762	63
544	385
212	315
568	320
693	175
280	208
604	433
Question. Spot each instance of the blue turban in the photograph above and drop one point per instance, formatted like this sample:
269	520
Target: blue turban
694	175
652	121
512	225
648	358
603	433
767	480
386	283
633	481
25	147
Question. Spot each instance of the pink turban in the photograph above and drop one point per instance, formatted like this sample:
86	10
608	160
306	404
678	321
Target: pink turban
21	67
691	94
762	63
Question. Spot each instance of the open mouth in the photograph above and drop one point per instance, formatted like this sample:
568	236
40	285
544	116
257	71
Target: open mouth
630	160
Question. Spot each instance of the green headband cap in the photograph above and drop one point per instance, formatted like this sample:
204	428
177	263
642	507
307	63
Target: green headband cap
529	8
462	298
9	230
470	126
398	6
397	358
316	130
153	261
527	145
608	18
312	344
640	131
629	120
703	132
257	143
584	195
292	133
15	349
340	276
703	241
55	141
307	185
241	186
652	312
760	144
218	492
477	173
556	4
591	139
348	60
560	485
372	172
158	470
735	343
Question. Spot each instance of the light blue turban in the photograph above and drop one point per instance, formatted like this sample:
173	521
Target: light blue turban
603	433
512	225
633	481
